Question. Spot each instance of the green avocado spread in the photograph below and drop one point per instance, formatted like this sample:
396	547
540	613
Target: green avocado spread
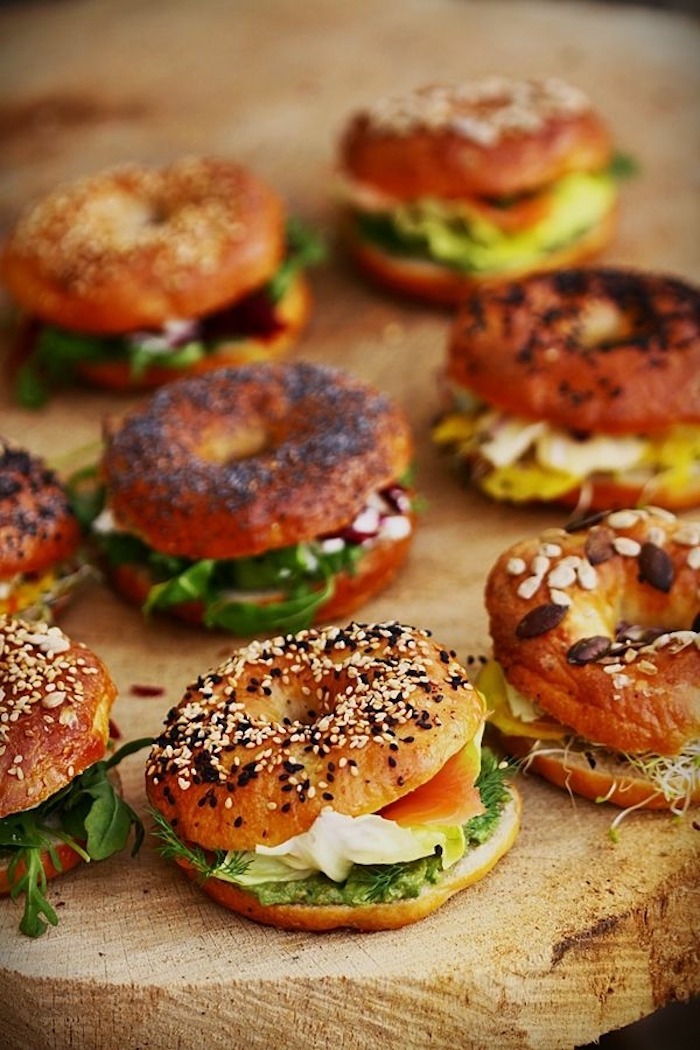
445	233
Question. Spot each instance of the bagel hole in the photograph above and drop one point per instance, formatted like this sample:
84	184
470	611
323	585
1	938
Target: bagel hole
253	440
603	324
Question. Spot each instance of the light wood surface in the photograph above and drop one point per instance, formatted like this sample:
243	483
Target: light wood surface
571	935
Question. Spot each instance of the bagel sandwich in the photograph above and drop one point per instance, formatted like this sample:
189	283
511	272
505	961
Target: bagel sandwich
304	818
60	797
593	680
255	499
133	276
455	184
40	560
579	387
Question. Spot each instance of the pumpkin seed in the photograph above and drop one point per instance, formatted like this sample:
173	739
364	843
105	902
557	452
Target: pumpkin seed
541	619
656	567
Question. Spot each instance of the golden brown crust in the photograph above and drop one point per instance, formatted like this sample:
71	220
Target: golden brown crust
599	628
386	916
55	706
133	247
436	283
592	350
37	526
265	455
377	567
350	718
291	313
491	138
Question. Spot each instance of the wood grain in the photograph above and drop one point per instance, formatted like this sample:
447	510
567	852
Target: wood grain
570	936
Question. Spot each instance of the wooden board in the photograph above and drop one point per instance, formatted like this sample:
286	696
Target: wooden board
570	936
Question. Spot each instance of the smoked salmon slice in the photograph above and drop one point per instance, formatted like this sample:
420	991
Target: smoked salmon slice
450	797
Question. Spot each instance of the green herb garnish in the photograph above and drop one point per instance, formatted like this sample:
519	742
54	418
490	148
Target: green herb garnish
89	815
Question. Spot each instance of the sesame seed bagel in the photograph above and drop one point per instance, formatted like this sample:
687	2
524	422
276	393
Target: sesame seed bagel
134	247
349	718
490	138
599	349
597	626
54	706
306	746
240	461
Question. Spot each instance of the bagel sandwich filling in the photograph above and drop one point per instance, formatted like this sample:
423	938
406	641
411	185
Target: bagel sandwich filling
35	596
249	753
48	355
513	458
350	860
281	589
463	236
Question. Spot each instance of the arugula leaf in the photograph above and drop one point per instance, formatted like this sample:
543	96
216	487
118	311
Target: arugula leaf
141	359
290	615
86	495
89	815
304	248
623	166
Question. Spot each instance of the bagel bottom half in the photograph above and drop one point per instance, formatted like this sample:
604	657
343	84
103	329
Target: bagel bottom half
474	865
57	861
592	772
423	278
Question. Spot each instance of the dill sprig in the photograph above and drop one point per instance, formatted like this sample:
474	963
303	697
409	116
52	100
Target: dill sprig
220	863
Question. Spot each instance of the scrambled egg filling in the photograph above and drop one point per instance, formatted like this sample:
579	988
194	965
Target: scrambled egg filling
22	593
520	460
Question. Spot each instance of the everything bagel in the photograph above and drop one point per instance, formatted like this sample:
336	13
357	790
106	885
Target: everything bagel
596	671
580	387
452	185
274	487
304	757
136	274
39	535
